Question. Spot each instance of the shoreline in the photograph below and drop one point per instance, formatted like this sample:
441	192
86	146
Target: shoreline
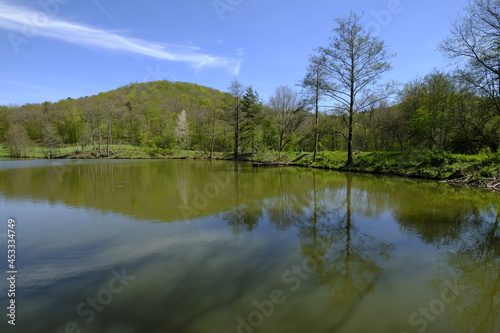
492	184
465	171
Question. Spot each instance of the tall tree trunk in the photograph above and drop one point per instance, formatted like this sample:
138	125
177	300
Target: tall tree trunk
349	140
131	123
236	139
316	125
237	132
212	141
109	138
99	137
92	135
253	138
351	111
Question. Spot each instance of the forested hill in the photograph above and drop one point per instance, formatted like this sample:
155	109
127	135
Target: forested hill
169	96
138	113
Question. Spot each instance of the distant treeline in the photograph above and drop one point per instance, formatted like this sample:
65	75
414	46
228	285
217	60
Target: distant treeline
435	112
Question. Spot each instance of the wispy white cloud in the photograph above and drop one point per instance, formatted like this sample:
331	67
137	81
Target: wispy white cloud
28	23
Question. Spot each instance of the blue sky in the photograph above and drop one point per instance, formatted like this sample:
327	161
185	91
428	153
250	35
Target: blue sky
54	49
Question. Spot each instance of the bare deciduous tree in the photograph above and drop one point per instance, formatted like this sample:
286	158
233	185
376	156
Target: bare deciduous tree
355	61
236	91
50	140
17	140
289	113
315	84
475	39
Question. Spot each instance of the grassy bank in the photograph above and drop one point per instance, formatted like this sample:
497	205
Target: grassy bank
481	170
119	151
424	164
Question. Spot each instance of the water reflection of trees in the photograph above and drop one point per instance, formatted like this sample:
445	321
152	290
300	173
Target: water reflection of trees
441	220
474	261
327	214
244	217
349	261
467	228
285	209
247	213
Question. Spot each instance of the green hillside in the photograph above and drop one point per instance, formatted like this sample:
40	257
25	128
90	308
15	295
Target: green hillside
141	114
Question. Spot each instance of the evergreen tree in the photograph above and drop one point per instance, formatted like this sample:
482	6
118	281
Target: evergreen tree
252	117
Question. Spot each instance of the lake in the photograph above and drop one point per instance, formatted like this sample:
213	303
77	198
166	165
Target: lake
197	246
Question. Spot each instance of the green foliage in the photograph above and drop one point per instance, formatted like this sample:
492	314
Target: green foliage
444	113
333	160
252	120
424	164
141	114
18	141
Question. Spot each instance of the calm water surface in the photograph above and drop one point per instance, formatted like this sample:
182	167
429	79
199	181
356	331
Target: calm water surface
215	247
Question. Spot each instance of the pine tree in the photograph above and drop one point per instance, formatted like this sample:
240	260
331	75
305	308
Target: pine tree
252	117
